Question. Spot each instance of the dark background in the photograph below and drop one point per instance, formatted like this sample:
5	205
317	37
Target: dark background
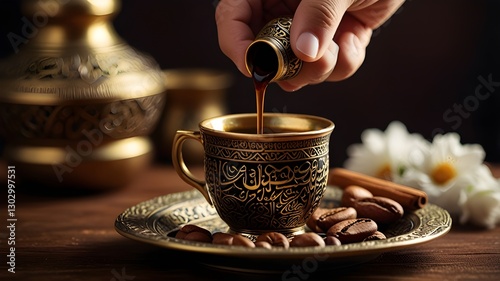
424	62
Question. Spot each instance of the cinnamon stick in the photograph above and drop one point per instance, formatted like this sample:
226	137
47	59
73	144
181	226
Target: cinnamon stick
410	198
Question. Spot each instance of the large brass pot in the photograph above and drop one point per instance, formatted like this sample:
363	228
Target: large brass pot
77	103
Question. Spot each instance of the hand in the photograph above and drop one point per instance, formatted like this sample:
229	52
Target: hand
330	36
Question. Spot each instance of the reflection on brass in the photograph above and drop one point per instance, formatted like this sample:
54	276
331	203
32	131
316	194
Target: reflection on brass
261	182
193	95
276	35
112	151
77	89
156	221
106	166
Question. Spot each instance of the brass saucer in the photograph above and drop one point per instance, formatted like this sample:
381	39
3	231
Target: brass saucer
155	222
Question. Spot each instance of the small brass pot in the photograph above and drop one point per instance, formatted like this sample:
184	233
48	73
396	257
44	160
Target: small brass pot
272	49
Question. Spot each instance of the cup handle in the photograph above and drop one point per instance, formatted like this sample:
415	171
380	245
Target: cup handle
181	167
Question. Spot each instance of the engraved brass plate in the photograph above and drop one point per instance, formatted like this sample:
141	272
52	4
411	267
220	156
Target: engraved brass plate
156	221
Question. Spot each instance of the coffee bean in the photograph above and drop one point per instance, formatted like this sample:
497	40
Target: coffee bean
353	193
263	244
239	240
221	238
193	232
375	236
308	239
198	237
276	239
332	240
335	215
353	230
380	209
312	222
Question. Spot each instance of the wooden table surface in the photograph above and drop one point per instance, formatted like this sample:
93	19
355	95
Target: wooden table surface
72	237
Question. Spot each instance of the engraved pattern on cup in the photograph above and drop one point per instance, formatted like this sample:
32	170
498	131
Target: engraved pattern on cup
259	185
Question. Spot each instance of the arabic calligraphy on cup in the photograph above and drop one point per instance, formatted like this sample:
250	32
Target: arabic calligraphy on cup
262	182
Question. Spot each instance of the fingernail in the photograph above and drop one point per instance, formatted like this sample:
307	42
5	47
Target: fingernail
308	44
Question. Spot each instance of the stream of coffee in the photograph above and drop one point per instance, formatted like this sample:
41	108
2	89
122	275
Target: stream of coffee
260	79
264	68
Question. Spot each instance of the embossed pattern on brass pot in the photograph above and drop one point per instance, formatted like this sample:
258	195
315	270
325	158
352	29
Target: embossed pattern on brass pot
77	90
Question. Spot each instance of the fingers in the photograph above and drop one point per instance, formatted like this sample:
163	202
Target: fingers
353	37
314	72
338	63
314	25
330	36
331	21
330	41
315	22
375	12
233	29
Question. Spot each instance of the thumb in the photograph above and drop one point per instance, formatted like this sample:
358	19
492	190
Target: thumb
314	25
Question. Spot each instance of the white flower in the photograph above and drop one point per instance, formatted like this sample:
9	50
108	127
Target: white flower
452	174
383	154
482	207
439	166
445	170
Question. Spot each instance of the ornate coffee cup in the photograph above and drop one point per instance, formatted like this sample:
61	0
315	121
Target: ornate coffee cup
261	182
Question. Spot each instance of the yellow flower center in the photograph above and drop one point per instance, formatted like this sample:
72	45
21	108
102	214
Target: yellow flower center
443	172
384	172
